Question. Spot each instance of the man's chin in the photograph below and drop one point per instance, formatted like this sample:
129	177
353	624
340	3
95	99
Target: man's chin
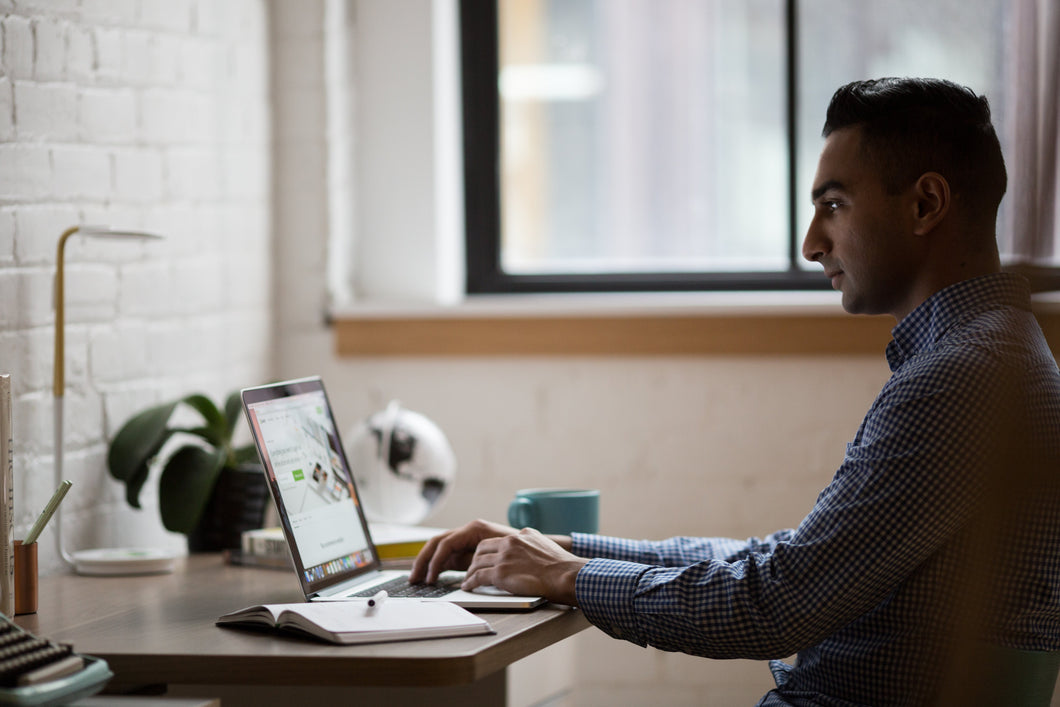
853	305
856	305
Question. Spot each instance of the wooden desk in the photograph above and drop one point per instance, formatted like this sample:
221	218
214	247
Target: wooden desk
159	631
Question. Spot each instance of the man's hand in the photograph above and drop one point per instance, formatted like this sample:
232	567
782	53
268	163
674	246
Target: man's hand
522	562
453	549
526	563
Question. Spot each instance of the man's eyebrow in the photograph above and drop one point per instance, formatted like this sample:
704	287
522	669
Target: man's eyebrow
830	184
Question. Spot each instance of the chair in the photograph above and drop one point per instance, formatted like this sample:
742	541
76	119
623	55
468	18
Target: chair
1023	678
1004	677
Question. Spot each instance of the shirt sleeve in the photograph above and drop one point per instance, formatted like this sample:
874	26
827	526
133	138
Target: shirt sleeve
674	552
906	484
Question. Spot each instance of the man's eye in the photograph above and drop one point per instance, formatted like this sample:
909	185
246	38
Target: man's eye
831	206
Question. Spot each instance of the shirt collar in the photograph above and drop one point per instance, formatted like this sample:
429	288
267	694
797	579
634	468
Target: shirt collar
926	324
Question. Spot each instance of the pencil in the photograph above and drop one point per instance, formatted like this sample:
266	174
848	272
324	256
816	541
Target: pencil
47	513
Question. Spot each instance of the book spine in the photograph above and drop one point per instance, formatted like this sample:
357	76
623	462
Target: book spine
269	547
7	501
396	551
264	544
237	557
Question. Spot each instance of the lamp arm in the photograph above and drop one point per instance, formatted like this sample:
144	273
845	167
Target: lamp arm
59	381
59	377
58	426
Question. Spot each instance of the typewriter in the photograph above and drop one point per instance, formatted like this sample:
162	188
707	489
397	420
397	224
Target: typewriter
36	671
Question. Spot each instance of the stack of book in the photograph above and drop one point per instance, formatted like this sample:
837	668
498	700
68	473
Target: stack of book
7	500
266	547
397	546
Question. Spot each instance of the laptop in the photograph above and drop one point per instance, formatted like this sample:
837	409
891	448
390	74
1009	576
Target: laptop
319	509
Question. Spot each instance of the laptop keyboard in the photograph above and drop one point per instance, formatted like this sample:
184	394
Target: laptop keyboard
400	587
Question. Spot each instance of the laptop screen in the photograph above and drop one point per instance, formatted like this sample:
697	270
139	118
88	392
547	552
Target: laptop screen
311	482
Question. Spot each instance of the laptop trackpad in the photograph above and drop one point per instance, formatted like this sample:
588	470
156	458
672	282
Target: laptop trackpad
490	590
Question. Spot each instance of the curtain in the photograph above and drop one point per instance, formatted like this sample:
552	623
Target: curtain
1032	233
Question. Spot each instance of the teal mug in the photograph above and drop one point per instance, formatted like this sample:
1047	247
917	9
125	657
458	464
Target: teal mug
556	511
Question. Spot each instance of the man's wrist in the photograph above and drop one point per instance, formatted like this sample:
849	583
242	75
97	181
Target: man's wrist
564	541
565	589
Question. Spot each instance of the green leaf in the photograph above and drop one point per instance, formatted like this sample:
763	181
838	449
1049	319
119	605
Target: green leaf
233	410
216	431
185	487
136	443
134	484
204	433
246	455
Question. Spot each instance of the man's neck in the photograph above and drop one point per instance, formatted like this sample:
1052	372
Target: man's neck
945	272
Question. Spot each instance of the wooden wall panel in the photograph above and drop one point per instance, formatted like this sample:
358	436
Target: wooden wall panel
623	335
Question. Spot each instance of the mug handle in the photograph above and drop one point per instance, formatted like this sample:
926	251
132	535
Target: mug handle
521	513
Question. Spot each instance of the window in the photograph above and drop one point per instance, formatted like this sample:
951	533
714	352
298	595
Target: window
643	145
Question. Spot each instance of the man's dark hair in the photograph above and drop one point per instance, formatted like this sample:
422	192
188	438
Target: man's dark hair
910	126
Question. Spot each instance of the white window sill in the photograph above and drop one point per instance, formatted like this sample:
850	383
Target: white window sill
604	305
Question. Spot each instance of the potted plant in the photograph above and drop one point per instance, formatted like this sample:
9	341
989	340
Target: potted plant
208	489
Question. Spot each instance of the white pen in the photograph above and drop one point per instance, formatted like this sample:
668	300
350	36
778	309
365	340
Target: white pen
378	599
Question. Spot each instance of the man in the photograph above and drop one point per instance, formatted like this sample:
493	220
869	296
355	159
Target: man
938	535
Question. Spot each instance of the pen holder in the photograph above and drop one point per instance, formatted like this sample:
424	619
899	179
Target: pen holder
25	578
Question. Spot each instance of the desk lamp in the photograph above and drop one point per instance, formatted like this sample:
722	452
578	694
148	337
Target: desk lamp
105	560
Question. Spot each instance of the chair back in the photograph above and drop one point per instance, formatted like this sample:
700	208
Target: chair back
1021	678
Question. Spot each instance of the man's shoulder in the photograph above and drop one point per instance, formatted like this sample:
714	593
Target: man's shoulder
991	334
994	359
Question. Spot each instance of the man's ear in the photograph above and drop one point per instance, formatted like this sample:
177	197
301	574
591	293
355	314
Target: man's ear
932	202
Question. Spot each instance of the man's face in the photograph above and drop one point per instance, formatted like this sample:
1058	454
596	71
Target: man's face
859	233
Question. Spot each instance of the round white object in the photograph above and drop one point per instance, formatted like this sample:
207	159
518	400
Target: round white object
403	465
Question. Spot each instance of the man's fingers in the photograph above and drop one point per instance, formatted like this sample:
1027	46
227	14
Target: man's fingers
446	556
421	565
488	546
481	572
482	577
436	556
423	558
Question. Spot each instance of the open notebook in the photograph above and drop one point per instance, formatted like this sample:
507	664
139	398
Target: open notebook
353	622
320	513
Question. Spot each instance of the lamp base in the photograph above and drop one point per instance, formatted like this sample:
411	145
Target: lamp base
110	561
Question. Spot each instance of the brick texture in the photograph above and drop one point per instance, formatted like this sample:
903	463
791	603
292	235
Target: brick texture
138	114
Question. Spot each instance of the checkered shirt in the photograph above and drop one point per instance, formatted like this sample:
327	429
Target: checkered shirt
877	579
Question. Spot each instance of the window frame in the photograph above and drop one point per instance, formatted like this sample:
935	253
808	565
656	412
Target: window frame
480	102
479	62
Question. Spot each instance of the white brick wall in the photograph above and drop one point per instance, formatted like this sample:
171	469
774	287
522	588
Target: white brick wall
144	114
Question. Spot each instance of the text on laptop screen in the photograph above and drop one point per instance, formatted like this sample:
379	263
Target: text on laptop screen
302	457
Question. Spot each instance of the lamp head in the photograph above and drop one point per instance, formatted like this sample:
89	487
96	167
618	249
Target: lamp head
108	232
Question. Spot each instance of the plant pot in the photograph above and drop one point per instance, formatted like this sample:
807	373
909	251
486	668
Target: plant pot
239	501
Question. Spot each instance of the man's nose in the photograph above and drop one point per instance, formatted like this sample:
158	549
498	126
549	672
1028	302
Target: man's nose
814	244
